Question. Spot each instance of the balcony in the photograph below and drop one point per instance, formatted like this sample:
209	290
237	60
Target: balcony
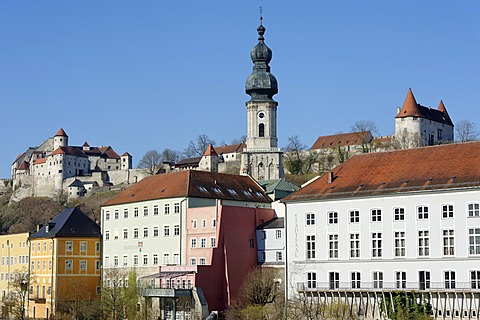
382	286
167	292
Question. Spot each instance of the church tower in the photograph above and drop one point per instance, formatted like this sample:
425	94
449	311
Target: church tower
262	158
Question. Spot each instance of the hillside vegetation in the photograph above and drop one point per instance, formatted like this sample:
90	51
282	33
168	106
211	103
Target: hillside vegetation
27	214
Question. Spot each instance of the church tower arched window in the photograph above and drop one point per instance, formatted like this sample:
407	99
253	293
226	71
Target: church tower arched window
261	130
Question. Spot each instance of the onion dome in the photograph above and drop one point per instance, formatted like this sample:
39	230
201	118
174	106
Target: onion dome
261	84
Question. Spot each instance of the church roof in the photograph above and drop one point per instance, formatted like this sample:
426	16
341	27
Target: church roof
61	132
421	169
210	151
71	222
341	139
192	183
411	108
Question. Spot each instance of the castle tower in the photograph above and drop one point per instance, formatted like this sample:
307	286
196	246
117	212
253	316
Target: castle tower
60	139
209	161
262	159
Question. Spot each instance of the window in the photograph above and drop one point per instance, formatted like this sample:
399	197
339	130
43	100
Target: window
155	259
376	244
107	215
116	214
475	279
474	240
449	277
135	212
400	280
333	246
145	211
279	255
176	208
68	246
68	265
193	242
399	243
424	280
166	259
423	243
399	214
311	247
203	242
333	217
354	216
83	246
194	224
176	258
145	232
355	278
214	223
474	209
261	130
125	213
278	234
263	256
83	265
310	219
125	261
166	208
166	231
447	211
311	280
250	243
334	280
125	234
135	259
439	134
422	212
204	223
377	280
202	261
155	210
135	233
376	215
448	242
212	242
115	261
145	259
193	261
97	246
354	245
107	261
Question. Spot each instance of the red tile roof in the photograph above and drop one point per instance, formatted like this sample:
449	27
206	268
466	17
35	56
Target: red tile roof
381	139
429	168
108	152
61	132
73	151
210	151
411	108
40	161
126	154
342	139
193	183
24	165
233	148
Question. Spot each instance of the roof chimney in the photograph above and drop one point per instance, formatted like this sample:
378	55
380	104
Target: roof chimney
330	176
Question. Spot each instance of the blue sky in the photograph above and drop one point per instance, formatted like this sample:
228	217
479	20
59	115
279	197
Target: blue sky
142	75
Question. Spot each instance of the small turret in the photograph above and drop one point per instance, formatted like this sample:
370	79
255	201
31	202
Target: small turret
126	160
60	139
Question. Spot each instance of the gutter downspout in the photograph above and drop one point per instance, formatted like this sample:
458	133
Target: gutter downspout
286	263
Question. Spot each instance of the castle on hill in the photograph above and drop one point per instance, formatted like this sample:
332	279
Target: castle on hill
56	169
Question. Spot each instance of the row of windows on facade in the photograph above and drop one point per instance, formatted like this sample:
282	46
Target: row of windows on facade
45	291
447	211
14	260
21	244
278	234
203	242
400	281
154	260
146	232
278	256
69	265
13	276
68	246
399	243
166	211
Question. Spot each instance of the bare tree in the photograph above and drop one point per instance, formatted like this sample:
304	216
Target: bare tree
113	302
365	130
170	155
466	131
131	296
17	297
406	140
151	162
197	148
297	159
240	140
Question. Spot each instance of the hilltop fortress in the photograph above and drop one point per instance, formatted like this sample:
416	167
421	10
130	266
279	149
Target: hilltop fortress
55	169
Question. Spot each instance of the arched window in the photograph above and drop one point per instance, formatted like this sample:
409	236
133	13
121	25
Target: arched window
261	130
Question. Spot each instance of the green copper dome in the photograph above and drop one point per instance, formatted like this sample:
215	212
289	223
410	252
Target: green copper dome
261	84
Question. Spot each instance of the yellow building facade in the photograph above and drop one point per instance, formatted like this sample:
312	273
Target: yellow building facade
14	261
64	264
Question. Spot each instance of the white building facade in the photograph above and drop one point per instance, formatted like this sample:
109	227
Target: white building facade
361	236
